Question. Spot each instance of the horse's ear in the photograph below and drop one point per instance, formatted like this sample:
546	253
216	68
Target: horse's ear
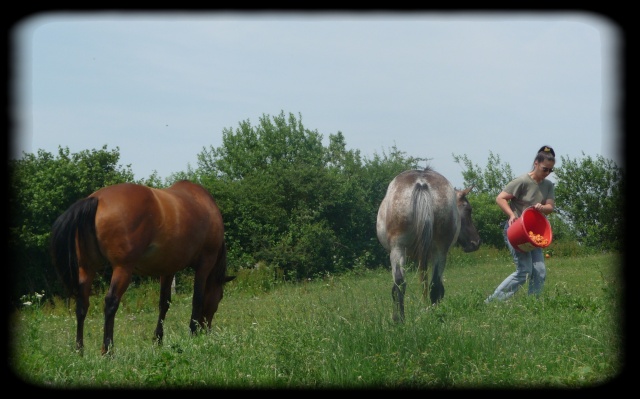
462	193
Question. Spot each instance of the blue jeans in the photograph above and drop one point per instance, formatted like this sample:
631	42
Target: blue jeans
528	264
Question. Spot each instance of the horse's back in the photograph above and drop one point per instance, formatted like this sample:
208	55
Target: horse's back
157	231
195	201
417	200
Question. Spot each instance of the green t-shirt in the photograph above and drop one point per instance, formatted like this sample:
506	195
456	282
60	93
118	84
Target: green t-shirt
527	193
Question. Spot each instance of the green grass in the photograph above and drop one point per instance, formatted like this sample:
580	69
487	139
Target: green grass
336	332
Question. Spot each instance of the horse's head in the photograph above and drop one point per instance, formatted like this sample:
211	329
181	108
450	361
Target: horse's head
214	296
469	238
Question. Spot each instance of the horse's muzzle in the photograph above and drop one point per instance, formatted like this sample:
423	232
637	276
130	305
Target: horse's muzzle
472	246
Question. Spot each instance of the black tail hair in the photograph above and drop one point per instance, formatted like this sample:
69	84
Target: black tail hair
78	219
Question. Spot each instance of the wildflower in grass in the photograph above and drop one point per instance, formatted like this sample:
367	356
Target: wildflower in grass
31	299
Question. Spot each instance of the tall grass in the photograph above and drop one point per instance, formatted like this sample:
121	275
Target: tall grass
337	332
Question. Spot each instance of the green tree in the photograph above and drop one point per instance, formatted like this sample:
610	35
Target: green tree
293	204
42	187
276	142
590	198
488	218
487	184
269	180
490	180
154	181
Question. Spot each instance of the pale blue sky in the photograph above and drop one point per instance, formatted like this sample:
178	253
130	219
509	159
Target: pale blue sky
161	86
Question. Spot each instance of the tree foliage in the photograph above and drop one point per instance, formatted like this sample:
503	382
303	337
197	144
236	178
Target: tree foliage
590	197
487	183
294	205
43	186
489	180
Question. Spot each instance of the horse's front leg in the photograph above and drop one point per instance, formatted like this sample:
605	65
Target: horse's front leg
212	297
165	302
197	303
399	284
120	280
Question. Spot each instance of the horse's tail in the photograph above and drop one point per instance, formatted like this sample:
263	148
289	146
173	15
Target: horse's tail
421	204
78	220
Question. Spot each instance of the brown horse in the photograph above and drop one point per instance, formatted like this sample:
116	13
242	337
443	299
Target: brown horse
145	231
420	218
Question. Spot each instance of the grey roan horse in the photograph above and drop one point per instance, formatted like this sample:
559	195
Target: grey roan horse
420	218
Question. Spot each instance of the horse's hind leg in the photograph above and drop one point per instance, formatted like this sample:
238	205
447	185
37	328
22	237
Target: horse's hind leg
82	304
165	302
120	280
399	283
436	287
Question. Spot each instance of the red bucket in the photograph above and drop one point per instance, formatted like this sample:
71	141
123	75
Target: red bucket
532	221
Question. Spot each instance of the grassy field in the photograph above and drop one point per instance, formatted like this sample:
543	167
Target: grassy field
336	332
